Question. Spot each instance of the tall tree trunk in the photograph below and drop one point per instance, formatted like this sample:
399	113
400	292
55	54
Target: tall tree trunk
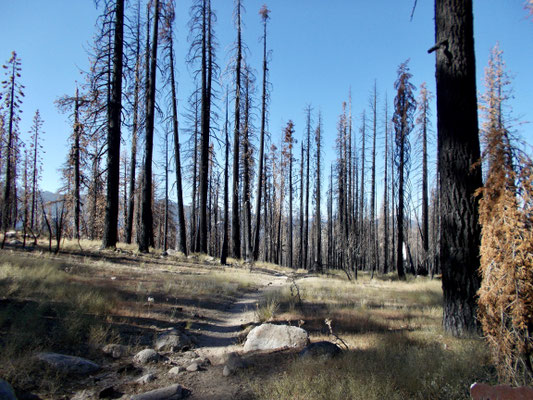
77	173
146	228
247	160
113	134
134	134
318	189
194	180
458	150
205	119
302	176
425	201
182	242
290	210
235	220
306	227
225	240
265	15
8	184
386	195
373	231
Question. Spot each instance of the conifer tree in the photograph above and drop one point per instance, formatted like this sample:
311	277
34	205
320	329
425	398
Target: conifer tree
265	15
422	121
35	166
404	108
12	94
506	205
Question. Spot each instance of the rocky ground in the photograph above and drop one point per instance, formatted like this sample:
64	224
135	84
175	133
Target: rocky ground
216	356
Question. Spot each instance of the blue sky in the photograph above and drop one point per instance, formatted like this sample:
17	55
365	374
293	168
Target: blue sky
319	50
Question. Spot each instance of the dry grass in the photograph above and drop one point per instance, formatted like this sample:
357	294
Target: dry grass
76	302
397	349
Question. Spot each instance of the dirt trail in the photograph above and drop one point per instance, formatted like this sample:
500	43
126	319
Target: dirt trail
219	334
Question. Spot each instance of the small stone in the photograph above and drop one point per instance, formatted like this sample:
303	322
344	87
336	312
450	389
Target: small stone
175	370
172	341
322	349
68	364
146	356
226	371
201	361
190	354
234	362
109	393
115	350
83	395
143	380
174	392
193	367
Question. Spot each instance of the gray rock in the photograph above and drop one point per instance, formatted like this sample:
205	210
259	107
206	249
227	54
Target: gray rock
173	341
226	371
68	364
201	361
174	392
176	370
109	393
232	363
116	350
189	354
6	391
321	349
143	380
272	337
84	395
193	367
146	356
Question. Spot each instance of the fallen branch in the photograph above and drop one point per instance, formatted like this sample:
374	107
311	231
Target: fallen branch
328	322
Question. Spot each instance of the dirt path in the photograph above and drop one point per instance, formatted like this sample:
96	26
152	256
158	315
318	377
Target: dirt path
219	335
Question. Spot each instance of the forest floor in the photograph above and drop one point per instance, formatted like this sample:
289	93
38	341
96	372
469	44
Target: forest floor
83	298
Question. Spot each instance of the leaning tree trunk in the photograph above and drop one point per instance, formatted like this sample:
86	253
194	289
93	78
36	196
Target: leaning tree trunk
458	150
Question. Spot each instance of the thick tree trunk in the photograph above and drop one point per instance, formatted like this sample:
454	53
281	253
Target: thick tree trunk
458	150
113	134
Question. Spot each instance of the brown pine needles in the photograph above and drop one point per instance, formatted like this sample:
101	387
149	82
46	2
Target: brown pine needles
506	216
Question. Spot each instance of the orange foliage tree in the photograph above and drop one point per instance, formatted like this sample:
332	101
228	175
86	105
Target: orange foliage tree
506	216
